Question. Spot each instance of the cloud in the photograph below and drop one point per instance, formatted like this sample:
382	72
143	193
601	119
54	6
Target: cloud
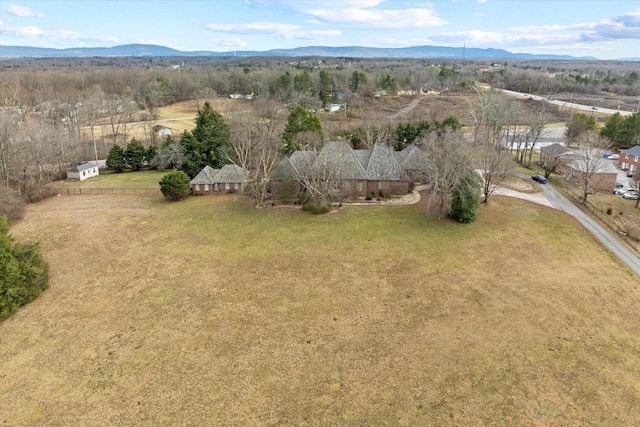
61	37
360	17
286	31
18	10
625	26
359	14
229	42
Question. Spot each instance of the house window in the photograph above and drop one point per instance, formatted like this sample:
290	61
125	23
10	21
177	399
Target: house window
347	186
197	187
360	186
84	173
626	156
383	185
237	185
226	185
206	187
635	159
215	186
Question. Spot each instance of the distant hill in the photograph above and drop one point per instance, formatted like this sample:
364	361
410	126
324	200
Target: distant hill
347	51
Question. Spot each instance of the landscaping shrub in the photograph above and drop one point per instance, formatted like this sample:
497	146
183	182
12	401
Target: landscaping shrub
303	198
175	185
316	209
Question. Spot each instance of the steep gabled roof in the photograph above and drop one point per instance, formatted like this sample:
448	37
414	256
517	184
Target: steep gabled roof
283	170
339	156
205	176
633	151
412	158
230	173
384	164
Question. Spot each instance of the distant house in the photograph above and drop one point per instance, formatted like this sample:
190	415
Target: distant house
82	171
230	178
160	130
358	172
630	159
555	157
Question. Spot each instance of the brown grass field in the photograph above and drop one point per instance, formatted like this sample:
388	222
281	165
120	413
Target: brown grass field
208	312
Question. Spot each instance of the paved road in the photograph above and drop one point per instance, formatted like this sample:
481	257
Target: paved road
558	201
573	105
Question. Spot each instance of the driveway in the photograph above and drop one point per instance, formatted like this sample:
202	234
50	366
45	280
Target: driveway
553	198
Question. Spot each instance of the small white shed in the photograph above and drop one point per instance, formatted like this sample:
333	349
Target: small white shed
82	171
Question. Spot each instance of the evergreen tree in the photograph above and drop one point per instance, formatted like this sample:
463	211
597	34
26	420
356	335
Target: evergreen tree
207	144
300	122
357	80
115	158
24	273
466	198
134	154
175	185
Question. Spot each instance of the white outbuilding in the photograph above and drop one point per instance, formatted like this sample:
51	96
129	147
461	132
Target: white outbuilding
82	171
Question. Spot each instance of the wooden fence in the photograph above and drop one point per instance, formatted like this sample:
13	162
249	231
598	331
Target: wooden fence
97	190
629	236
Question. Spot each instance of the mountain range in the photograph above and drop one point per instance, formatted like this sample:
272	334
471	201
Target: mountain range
347	52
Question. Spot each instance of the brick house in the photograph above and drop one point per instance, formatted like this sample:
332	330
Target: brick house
604	178
230	178
630	159
358	172
555	157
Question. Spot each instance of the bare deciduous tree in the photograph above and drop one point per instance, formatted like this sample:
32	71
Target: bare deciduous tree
491	114
120	111
320	171
448	162
256	144
591	164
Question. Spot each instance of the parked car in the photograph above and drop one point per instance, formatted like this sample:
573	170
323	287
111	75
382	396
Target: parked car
539	178
619	185
631	194
619	191
613	156
630	174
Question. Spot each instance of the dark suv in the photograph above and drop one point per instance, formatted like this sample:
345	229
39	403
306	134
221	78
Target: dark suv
539	178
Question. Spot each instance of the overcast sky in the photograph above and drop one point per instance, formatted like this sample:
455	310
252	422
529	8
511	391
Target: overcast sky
603	29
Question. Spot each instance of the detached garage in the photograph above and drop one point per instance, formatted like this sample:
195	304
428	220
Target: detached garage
82	171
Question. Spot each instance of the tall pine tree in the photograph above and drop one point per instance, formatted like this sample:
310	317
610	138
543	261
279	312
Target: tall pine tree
207	144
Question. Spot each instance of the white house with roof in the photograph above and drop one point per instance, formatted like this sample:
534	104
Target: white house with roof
82	171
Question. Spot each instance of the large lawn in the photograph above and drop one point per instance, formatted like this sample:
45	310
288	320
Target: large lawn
208	312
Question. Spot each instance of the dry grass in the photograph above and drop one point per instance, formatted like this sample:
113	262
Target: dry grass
206	312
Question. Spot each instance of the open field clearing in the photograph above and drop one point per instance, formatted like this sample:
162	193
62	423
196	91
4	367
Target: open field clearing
207	312
108	179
